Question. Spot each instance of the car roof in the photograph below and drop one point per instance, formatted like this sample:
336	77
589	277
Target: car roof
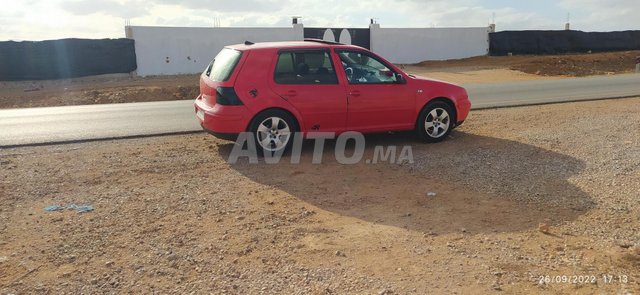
291	45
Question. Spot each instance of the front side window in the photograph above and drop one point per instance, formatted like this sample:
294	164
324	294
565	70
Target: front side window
305	67
362	68
222	66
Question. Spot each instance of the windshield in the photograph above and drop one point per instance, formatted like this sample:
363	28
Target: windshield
222	66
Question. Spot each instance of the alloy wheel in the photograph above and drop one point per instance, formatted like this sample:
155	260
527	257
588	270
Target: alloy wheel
437	123
273	134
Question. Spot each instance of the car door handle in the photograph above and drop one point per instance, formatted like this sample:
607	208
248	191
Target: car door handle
291	93
354	93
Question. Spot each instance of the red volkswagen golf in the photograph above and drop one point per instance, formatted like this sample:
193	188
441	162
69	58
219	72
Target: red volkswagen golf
275	89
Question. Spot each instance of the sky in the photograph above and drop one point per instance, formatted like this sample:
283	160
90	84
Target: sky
55	19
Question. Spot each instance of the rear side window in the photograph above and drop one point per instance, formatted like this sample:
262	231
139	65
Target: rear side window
305	67
222	66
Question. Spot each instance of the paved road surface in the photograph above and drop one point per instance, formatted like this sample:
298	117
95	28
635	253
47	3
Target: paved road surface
75	123
548	91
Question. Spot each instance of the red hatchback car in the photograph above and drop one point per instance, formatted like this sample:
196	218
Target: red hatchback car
277	88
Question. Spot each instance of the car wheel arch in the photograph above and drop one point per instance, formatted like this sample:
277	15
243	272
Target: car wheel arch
442	99
294	115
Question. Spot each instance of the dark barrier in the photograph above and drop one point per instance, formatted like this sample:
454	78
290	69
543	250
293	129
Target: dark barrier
554	42
65	58
360	37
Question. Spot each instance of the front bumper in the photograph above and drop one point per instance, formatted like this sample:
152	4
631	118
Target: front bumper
463	107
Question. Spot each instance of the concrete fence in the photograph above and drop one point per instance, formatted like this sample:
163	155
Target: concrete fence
184	50
413	45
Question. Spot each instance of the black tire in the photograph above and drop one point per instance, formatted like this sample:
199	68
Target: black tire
442	124
275	133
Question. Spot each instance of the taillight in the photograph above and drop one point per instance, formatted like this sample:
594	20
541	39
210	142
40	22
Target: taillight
227	96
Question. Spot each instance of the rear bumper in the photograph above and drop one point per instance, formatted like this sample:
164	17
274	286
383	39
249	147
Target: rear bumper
222	121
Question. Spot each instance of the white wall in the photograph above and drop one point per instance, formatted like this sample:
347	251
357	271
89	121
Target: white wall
413	45
184	50
188	50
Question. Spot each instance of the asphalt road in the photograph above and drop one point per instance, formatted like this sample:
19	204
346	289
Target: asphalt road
77	123
550	91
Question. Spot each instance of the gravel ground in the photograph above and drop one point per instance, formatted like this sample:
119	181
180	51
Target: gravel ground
521	193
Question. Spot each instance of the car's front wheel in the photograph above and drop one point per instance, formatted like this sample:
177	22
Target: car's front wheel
435	122
273	131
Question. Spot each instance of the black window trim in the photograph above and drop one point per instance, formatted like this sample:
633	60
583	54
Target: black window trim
338	50
306	50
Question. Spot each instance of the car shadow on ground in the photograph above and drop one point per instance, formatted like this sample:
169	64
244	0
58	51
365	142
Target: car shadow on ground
481	184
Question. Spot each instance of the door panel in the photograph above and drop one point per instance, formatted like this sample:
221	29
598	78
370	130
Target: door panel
380	107
376	101
307	79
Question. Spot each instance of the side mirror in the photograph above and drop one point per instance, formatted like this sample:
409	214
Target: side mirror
400	79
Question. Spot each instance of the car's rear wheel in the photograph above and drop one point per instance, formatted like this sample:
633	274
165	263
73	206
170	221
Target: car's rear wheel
273	131
435	122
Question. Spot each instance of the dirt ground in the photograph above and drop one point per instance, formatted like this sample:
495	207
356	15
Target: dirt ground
97	90
522	194
486	69
570	65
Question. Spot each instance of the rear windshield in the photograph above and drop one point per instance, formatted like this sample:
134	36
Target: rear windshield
222	66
